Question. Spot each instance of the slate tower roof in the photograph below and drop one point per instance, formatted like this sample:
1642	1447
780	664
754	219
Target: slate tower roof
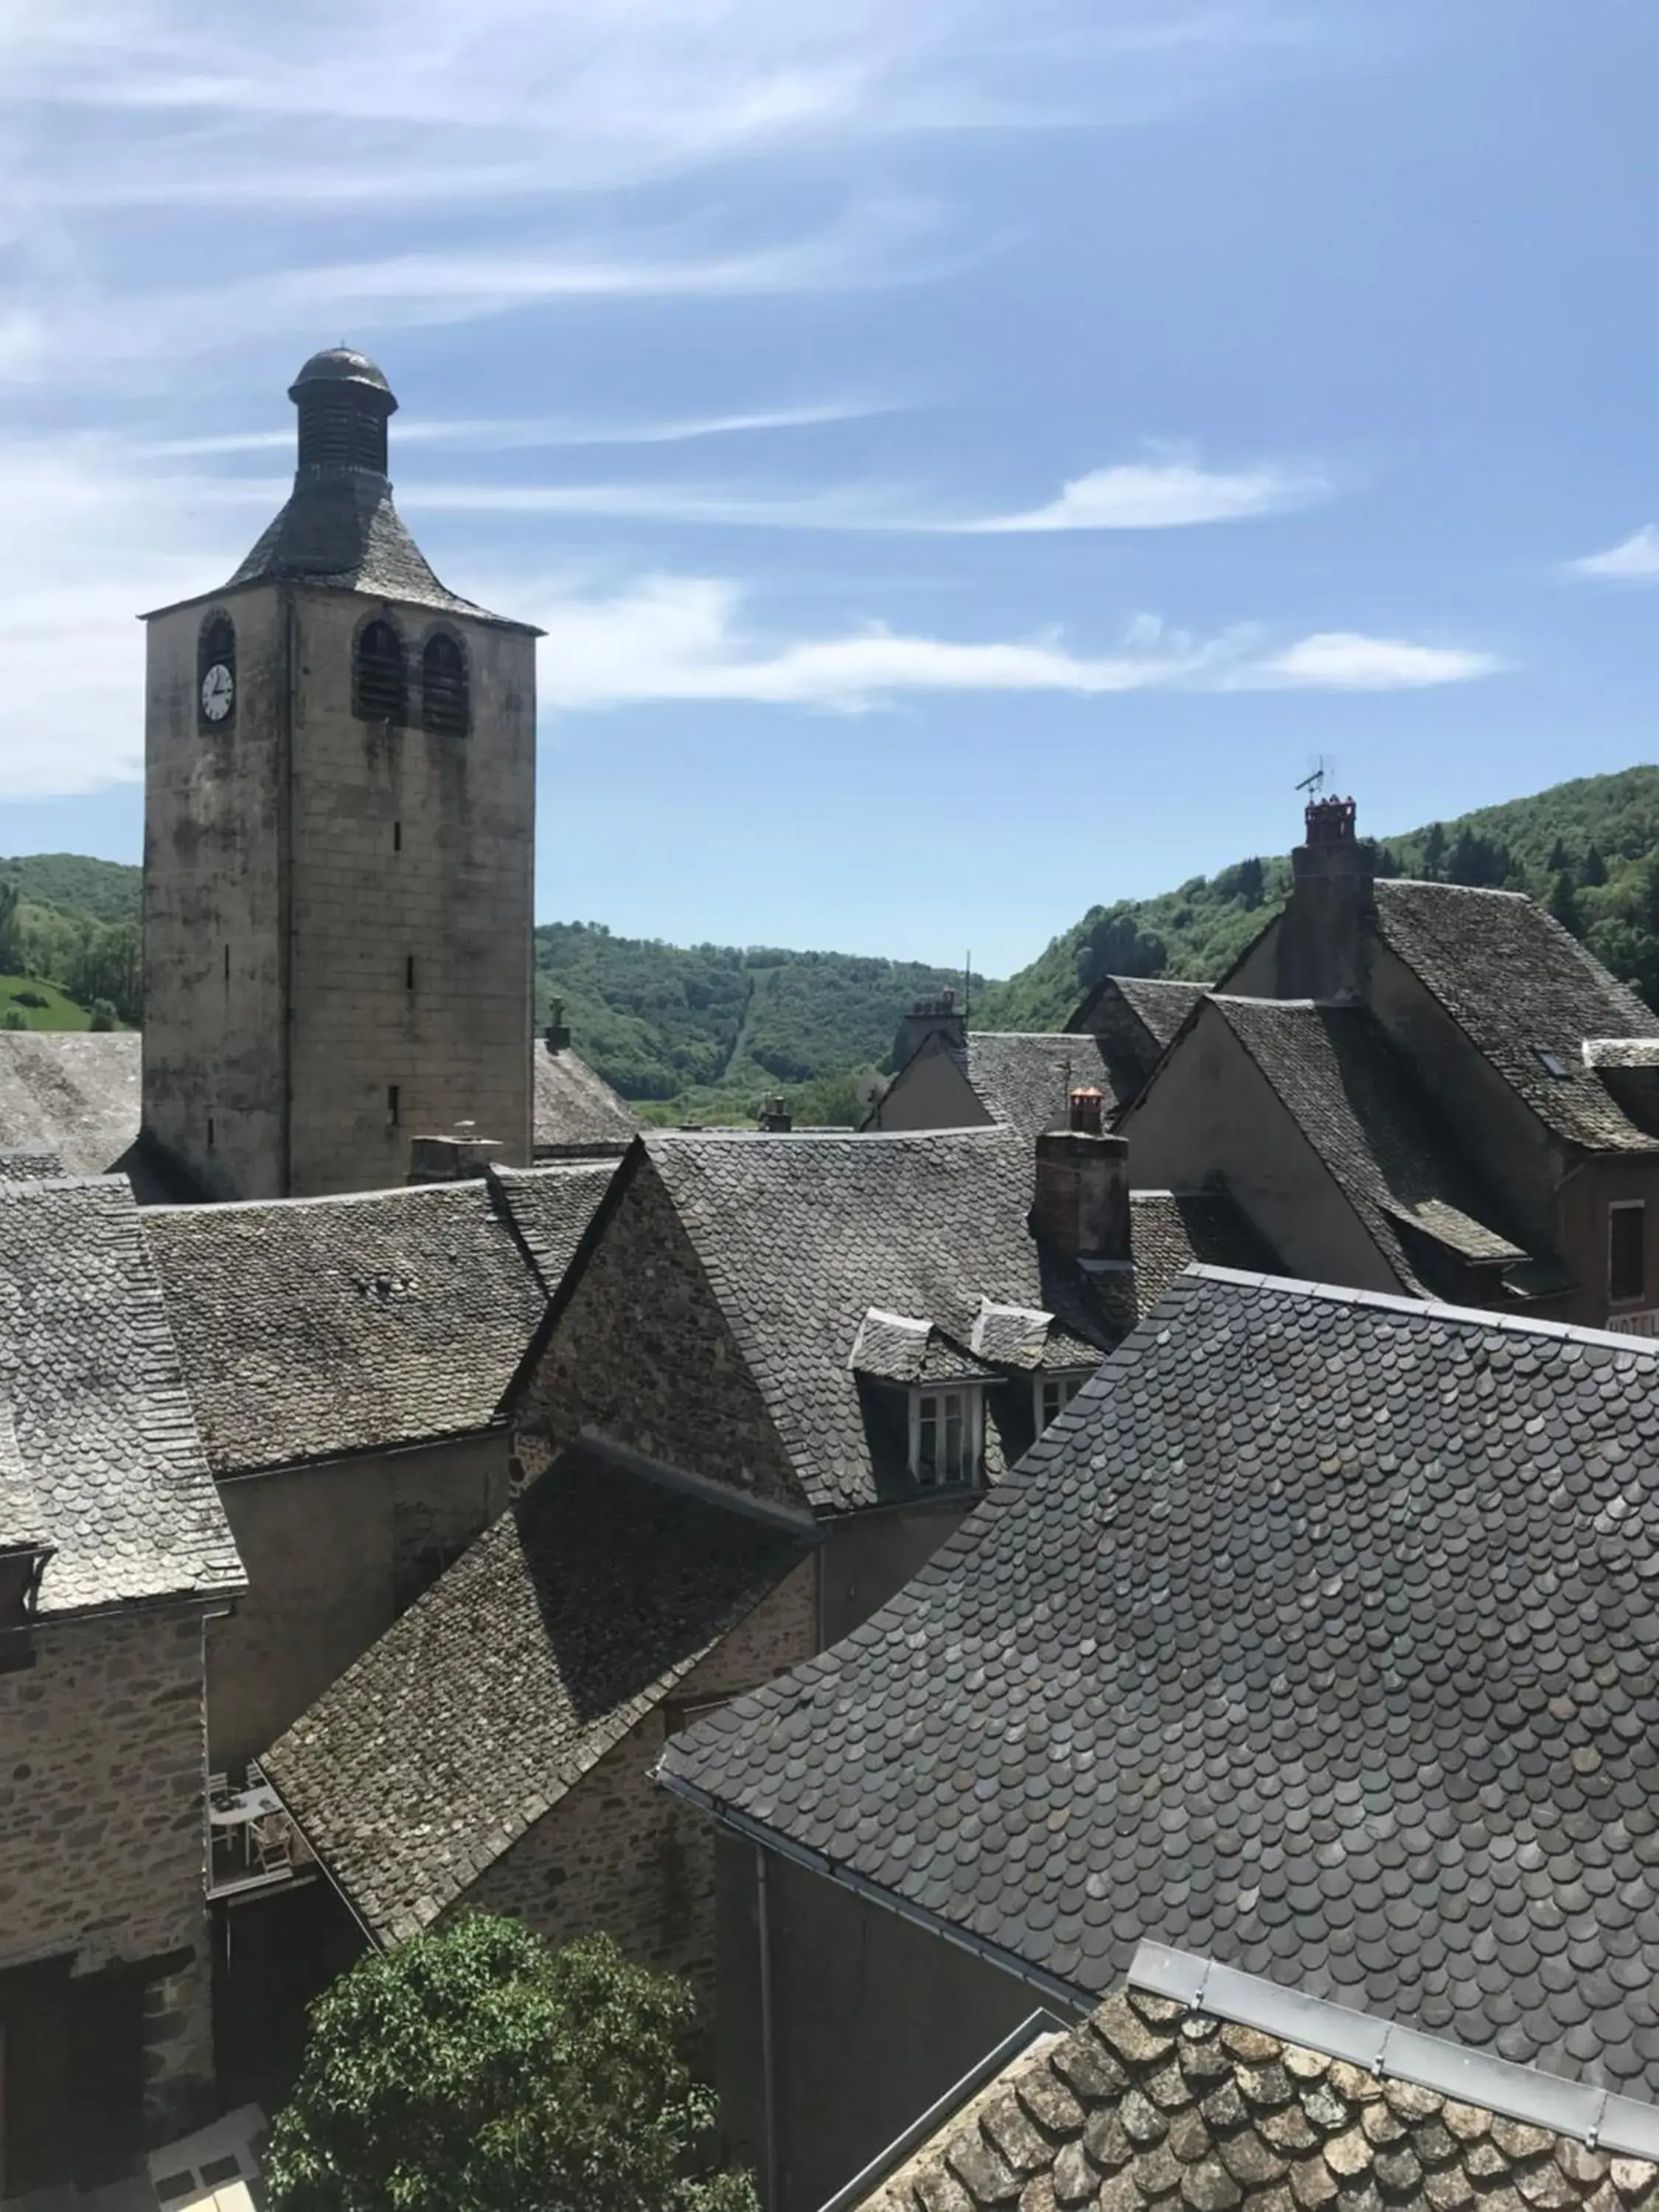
1317	1636
339	528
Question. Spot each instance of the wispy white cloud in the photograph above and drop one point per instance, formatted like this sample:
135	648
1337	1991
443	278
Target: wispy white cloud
1634	562
1127	497
686	638
1345	660
1170	496
509	436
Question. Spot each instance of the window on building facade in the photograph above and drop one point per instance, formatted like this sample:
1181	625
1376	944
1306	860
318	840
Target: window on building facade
378	684
216	671
393	1106
945	1435
444	704
1627	1277
1052	1394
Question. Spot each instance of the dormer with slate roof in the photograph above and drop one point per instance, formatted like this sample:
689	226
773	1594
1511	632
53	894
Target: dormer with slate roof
803	1318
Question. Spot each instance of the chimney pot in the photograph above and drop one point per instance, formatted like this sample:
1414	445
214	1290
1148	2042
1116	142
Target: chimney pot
1080	1209
558	1035
774	1117
1086	1111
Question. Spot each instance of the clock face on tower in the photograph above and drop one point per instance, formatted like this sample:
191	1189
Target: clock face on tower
218	691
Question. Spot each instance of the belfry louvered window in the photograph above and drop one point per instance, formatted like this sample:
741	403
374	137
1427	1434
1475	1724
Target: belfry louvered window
378	681
445	706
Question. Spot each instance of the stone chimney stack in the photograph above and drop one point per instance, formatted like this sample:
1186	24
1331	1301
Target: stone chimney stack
1321	950
1081	1208
937	1016
774	1117
558	1033
460	1158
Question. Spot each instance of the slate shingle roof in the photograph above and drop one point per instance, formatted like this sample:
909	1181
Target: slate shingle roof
72	1092
1026	1080
311	1327
897	1348
340	530
38	1165
1171	1231
800	1236
1162	1003
99	1453
565	1624
1153	2104
1348	1091
1515	981
1133	1018
551	1208
575	1110
1318	1636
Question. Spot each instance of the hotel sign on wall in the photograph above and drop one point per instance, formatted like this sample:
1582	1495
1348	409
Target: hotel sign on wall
1645	1323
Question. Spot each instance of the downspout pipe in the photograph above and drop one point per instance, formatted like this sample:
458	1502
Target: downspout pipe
769	2073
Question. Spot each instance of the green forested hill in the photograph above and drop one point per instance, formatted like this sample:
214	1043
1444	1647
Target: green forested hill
1589	848
703	1032
713	1028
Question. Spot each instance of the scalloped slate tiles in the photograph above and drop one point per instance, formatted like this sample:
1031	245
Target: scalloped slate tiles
574	1109
1149	2105
1320	1635
99	1453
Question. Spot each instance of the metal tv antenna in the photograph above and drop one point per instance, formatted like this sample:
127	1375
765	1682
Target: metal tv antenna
1322	770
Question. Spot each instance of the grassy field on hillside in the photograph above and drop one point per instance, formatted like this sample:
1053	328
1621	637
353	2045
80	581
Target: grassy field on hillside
59	1011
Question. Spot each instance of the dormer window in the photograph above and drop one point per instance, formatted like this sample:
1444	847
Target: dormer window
379	687
1051	1394
445	708
947	1436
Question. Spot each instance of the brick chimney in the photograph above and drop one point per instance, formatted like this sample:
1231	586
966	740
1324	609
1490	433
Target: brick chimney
774	1117
459	1158
558	1034
1322	947
937	1016
1081	1208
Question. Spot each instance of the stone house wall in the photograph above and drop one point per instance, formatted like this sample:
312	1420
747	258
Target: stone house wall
334	1552
642	1356
103	1834
618	1854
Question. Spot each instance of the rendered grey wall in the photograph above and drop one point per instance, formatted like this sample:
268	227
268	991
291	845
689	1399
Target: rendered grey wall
873	2019
1211	1112
931	1093
331	1553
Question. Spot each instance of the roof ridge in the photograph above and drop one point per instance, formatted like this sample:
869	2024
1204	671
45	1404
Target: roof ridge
1467	890
1479	1317
406	1190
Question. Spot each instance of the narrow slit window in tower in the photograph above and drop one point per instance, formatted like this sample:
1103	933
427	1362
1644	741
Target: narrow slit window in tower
392	1115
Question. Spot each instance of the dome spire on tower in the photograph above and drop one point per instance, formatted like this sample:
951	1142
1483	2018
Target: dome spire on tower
345	402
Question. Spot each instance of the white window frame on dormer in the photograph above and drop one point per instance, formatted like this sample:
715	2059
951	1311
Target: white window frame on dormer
1064	1382
969	1400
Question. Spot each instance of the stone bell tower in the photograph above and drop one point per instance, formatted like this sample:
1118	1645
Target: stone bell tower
338	841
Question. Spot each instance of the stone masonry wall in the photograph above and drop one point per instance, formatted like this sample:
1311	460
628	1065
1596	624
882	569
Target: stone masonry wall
102	1828
409	847
642	1356
618	1854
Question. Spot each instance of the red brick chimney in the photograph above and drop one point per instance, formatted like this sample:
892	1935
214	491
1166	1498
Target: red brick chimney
1080	1210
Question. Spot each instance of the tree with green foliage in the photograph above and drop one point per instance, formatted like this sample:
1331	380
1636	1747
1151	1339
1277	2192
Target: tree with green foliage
1562	904
1478	860
1434	851
14	1018
1595	871
1558	863
9	904
1249	882
478	2070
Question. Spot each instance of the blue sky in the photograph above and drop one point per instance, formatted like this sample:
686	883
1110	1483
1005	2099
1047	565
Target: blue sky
968	455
